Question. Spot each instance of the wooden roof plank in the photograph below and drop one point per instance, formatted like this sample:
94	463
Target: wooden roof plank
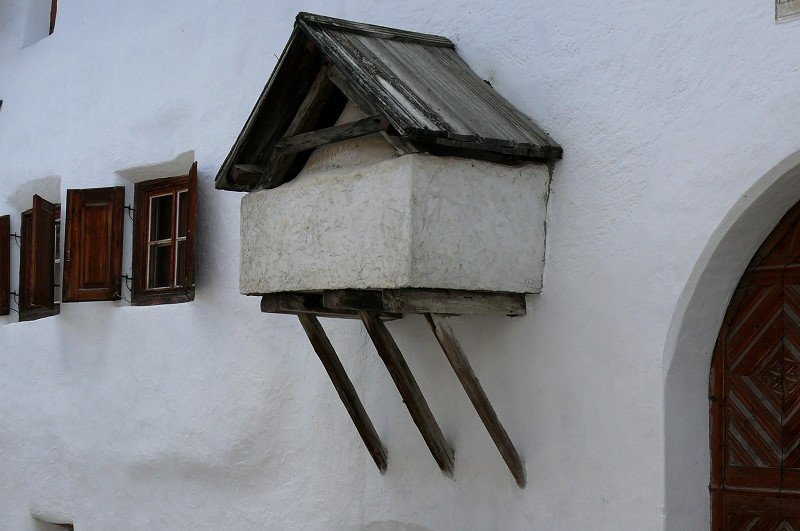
429	95
320	21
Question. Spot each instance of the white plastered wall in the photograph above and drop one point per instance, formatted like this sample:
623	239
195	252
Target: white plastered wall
212	415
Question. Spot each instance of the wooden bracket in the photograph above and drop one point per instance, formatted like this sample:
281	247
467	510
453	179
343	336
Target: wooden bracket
372	307
409	390
324	349
458	360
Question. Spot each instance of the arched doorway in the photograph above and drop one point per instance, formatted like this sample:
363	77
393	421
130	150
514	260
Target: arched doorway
755	392
693	330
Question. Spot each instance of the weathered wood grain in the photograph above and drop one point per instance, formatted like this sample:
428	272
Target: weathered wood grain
329	135
297	304
458	360
312	303
422	301
344	387
429	88
319	21
357	96
409	391
354	300
453	302
354	93
431	98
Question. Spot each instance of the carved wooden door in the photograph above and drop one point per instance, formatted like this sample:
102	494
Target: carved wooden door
755	396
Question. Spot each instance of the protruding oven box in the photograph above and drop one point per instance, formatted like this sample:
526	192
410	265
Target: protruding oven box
416	221
385	178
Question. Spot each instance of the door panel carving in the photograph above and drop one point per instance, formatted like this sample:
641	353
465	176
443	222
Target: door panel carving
755	393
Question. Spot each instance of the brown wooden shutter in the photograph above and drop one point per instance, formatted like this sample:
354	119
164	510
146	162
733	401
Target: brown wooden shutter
40	248
93	244
190	229
5	265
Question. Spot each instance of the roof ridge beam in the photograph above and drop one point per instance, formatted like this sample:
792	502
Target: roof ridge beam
322	22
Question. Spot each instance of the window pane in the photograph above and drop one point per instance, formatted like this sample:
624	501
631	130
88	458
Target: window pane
180	265
160	218
158	267
183	212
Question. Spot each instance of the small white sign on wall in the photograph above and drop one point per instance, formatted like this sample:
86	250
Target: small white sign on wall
786	8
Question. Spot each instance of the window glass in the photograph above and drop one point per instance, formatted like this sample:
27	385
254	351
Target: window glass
161	218
158	268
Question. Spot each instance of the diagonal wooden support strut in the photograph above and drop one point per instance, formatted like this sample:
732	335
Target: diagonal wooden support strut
324	349
458	360
409	390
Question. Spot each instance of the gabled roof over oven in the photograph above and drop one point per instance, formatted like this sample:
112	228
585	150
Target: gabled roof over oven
414	88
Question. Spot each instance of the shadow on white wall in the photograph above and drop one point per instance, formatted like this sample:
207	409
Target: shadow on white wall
48	188
37	21
180	165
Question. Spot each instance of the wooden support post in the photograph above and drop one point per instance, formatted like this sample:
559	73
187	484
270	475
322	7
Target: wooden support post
458	360
324	349
409	390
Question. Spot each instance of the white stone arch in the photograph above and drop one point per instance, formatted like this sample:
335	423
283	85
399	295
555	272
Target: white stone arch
693	331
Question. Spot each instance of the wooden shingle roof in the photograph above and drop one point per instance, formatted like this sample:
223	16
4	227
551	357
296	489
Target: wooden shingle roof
415	85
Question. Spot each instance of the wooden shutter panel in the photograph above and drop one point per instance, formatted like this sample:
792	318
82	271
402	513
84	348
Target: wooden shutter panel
40	250
190	229
5	265
93	244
